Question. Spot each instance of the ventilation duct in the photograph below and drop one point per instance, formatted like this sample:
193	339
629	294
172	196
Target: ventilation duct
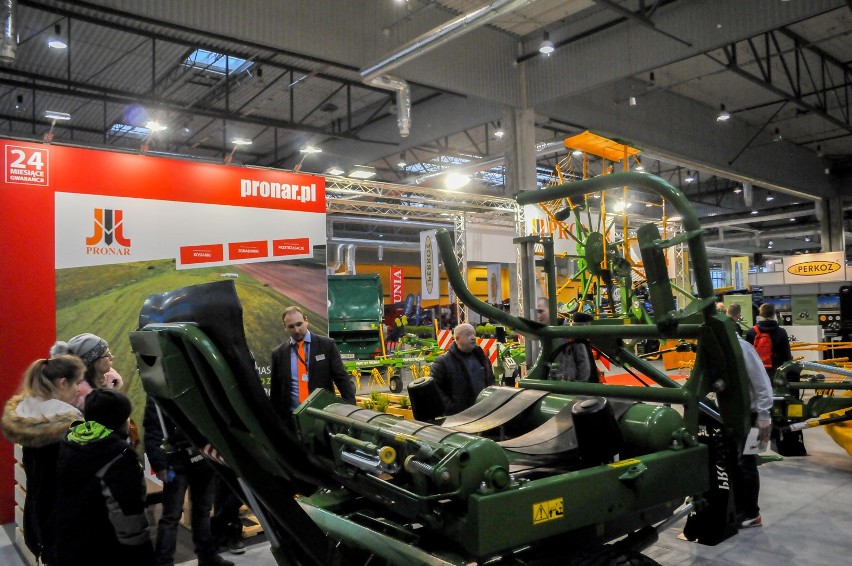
337	260
350	259
403	99
458	26
442	34
8	41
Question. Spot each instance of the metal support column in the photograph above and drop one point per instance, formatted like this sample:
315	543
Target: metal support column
459	230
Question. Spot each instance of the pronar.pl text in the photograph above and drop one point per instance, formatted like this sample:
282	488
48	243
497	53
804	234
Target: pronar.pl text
265	189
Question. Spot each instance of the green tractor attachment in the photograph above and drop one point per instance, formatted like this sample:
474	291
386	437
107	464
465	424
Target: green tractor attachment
551	472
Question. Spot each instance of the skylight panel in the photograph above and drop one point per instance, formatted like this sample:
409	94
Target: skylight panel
216	62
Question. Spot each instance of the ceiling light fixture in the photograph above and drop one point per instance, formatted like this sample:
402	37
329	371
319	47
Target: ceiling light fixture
632	101
770	244
755	212
455	181
334	170
546	47
310	149
769	197
819	151
19	102
724	115
690	177
54	117
154	126
738	190
237	142
56	41
401	164
577	153
777	137
499	133
639	167
362	172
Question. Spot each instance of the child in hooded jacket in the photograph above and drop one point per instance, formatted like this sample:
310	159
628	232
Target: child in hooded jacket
101	489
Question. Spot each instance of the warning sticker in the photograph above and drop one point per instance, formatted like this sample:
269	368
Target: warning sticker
623	463
548	511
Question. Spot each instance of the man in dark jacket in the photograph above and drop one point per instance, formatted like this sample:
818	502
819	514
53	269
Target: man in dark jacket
303	363
463	371
181	468
100	504
780	341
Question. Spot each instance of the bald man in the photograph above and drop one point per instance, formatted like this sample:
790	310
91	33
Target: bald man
463	371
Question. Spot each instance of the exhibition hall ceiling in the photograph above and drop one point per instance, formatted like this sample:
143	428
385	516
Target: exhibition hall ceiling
292	76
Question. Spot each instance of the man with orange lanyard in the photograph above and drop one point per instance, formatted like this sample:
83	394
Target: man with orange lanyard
303	363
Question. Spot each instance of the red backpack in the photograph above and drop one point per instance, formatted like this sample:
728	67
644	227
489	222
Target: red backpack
763	345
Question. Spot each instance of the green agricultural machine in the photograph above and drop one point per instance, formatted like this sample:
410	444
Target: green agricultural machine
550	472
355	312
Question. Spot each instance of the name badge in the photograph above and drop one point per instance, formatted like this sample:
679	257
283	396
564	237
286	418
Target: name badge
304	377
319	357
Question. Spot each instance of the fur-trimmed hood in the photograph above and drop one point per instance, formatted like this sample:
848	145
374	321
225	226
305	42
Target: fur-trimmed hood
34	422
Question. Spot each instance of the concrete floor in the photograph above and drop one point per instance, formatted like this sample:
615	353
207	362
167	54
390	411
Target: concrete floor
806	505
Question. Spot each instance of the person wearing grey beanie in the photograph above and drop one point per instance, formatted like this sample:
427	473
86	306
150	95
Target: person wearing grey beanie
95	353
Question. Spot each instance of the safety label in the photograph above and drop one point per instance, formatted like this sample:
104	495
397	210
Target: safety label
548	511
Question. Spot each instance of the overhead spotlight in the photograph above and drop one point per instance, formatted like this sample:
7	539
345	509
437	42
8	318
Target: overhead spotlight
621	206
237	142
770	244
632	101
56	42
334	170
793	219
186	128
401	164
154	126
690	177
56	116
499	133
738	190
454	181
777	137
19	102
404	218
546	46
769	197
577	153
807	238
724	115
639	167
819	151
755	212
310	149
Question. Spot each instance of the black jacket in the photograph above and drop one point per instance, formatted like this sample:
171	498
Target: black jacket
780	342
325	369
181	454
454	382
100	501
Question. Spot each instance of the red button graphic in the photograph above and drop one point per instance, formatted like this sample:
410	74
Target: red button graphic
291	246
248	250
202	254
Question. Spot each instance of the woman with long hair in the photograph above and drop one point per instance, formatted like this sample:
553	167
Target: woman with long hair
37	418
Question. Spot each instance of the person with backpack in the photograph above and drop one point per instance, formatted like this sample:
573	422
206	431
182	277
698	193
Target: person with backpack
769	340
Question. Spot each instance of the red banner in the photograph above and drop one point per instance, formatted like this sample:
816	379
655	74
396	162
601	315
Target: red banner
396	284
96	172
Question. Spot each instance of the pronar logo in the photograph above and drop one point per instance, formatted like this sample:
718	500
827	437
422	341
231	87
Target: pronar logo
811	268
108	228
430	265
